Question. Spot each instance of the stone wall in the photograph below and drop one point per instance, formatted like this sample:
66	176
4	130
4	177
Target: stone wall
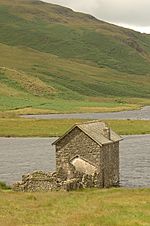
105	158
110	164
77	143
79	147
41	181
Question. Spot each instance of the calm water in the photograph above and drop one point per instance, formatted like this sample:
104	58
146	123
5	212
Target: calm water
144	113
23	155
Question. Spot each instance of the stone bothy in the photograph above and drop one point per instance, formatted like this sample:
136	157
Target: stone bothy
92	148
86	156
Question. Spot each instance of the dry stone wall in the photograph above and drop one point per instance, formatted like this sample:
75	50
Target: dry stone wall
77	143
105	158
110	155
41	181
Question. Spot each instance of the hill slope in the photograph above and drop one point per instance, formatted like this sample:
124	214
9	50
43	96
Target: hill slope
51	54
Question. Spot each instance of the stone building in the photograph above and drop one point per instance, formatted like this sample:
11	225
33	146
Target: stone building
92	148
86	156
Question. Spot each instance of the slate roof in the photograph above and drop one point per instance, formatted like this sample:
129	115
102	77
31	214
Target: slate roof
95	130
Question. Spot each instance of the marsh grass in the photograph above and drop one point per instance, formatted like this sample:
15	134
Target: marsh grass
20	127
107	207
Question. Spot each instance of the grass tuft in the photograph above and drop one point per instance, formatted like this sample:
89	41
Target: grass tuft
4	186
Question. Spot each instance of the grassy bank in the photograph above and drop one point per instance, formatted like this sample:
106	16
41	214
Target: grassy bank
19	127
112	207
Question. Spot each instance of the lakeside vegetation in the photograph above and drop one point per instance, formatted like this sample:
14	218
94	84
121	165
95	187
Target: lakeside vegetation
20	127
4	186
93	207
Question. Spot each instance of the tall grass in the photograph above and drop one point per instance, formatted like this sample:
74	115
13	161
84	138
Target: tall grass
14	127
111	207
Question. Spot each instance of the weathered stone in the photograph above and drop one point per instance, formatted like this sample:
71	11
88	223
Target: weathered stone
103	158
72	184
87	156
51	182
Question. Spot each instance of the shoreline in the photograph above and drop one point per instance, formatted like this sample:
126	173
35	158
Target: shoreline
124	115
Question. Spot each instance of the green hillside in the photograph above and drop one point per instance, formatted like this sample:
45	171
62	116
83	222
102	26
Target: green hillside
56	60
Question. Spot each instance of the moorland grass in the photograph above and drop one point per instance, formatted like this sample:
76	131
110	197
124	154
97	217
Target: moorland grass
93	207
74	57
37	80
28	24
20	127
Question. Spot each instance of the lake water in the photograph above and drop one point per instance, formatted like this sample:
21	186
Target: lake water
143	113
22	155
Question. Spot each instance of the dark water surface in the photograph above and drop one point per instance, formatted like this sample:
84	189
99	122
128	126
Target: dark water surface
22	155
143	113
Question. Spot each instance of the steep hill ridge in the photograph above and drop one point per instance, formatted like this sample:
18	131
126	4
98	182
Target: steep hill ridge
50	52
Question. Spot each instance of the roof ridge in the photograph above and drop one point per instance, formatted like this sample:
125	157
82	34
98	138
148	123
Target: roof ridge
94	133
90	122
